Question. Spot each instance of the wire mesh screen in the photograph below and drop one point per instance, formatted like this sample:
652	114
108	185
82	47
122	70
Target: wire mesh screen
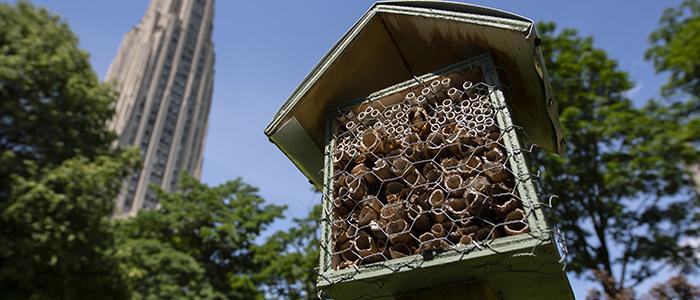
429	167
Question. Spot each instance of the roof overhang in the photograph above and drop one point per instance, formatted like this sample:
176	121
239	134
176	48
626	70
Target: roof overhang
397	40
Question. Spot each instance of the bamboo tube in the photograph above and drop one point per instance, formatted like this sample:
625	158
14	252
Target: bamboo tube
504	208
366	215
477	183
398	232
414	178
495	154
382	170
495	171
393	187
339	207
367	248
515	223
458	208
454	185
376	226
437	198
438	231
421	221
418	118
483	234
435	143
449	164
400	250
394	212
362	171
357	189
466	240
400	166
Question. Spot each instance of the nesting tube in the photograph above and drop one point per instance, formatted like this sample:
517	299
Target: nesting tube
393	187
427	93
357	189
438	231
367	214
414	178
458	208
495	171
437	198
410	98
454	94
436	86
398	232
393	212
445	82
506	207
382	170
453	184
515	223
367	248
420	219
400	250
362	171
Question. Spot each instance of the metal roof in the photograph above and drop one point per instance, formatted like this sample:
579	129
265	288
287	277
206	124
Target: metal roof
397	40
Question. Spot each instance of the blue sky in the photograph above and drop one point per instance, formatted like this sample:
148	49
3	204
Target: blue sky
265	48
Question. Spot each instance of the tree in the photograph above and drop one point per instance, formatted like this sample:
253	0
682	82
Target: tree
53	107
626	199
199	230
56	240
58	177
291	259
676	49
676	288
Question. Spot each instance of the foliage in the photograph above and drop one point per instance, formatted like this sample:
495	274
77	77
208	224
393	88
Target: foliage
53	107
58	178
291	258
205	229
55	238
676	288
626	199
676	49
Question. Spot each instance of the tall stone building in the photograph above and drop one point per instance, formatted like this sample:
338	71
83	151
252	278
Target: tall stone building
164	72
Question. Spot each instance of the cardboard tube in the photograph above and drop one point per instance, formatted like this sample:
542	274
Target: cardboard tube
398	232
515	223
410	97
436	86
339	208
454	94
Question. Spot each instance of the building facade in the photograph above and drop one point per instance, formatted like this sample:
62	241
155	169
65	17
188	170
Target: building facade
164	74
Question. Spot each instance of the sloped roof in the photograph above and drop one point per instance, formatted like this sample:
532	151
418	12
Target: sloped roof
397	40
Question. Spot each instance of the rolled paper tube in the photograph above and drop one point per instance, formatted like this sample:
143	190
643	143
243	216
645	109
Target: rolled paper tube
480	128
506	207
435	85
421	100
467	85
390	130
396	108
515	223
436	199
447	109
345	264
438	231
450	116
491	125
458	208
388	113
376	114
378	125
361	158
428	93
410	97
399	129
393	187
445	82
398	232
434	128
367	248
363	118
459	118
369	109
367	214
412	154
433	176
340	117
399	115
447	102
454	94
382	170
476	202
479	118
465	103
350	125
487	111
340	159
441	120
474	163
495	171
399	251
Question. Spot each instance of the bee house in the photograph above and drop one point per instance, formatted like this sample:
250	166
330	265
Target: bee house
416	126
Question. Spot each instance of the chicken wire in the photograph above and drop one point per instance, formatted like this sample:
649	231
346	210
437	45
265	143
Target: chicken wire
434	167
